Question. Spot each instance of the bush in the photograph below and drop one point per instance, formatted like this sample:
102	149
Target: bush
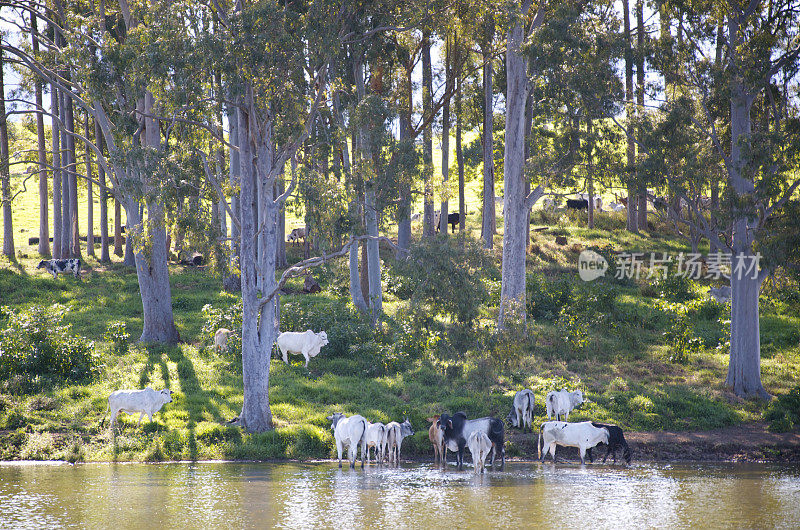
545	299
674	288
573	329
343	324
783	413
37	343
229	317
117	335
680	339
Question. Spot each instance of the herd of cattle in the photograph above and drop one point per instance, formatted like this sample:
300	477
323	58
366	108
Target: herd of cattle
482	436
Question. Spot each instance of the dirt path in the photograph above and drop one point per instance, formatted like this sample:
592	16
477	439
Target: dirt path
751	442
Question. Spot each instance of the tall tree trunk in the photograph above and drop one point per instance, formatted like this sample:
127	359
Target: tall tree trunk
117	228
590	177
89	191
744	368
280	248
632	219
642	203
152	270
527	154
446	135
44	202
462	205
512	290
66	218
427	135
5	171
55	133
488	222
232	282
714	208
101	175
72	170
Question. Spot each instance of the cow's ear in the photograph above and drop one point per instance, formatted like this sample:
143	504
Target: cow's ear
450	423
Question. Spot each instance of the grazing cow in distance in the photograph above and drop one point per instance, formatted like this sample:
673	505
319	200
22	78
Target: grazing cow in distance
147	401
306	343
375	436
452	219
616	207
582	435
479	446
435	435
577	204
616	440
61	266
395	432
720	294
456	430
562	402
221	339
349	432
296	235
521	414
416	217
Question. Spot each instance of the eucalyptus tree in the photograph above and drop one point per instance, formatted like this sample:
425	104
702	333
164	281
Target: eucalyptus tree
735	104
5	172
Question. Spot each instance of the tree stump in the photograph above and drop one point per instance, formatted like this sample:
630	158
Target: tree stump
561	240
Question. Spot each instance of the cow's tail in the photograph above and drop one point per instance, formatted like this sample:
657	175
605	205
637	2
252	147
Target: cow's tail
539	441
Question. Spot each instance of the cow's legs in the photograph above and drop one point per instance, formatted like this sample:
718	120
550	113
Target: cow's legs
140	419
553	451
583	454
339	451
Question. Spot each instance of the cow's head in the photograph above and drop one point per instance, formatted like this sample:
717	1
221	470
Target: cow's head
406	429
577	398
512	418
445	422
323	338
166	395
335	418
433	419
42	264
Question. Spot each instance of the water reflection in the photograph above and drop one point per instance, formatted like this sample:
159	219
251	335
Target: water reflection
299	496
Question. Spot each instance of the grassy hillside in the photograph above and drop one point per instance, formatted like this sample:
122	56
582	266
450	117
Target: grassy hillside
606	337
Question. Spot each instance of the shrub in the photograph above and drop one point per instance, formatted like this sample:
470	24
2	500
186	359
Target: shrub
545	299
673	287
37	343
117	335
229	317
573	329
783	413
680	339
343	324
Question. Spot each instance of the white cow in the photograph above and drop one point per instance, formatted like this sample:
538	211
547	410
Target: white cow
349	432
395	432
479	446
221	339
375	436
720	294
307	343
296	235
562	402
616	207
521	414
582	435
147	401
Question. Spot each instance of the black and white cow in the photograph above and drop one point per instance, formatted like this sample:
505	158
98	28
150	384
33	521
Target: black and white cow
456	430
61	266
616	440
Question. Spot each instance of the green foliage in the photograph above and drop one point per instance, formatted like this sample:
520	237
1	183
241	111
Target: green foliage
342	322
675	288
228	317
783	413
37	343
117	335
546	299
679	337
573	329
445	276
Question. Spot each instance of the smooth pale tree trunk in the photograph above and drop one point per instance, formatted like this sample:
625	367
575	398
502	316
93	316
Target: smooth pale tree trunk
66	217
152	270
427	136
55	132
44	196
528	127
590	179
89	192
117	228
632	224
512	290
258	324
75	237
445	138
488	222
101	175
744	369
462	205
280	243
715	182
5	172
356	294
642	206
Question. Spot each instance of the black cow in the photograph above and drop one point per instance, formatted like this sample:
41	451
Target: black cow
56	266
457	428
452	219
616	440
577	204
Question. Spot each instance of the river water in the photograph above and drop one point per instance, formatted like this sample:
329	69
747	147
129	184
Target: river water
320	495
